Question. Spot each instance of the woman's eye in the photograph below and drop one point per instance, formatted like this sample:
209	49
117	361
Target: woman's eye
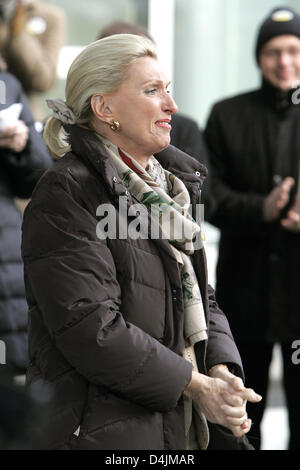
151	92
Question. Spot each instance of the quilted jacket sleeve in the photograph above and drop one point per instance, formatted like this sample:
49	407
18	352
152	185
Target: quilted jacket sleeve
221	347
72	278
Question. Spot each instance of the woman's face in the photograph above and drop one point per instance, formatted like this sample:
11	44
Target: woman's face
143	106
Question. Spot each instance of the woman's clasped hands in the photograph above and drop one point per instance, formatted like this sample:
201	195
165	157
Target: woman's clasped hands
222	397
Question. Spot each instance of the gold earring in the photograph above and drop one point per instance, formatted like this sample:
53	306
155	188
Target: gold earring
115	126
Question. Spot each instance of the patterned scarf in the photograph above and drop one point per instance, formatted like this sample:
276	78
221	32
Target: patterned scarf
166	196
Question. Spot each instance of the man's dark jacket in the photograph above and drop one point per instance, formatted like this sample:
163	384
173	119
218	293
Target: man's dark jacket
106	316
19	173
187	136
254	142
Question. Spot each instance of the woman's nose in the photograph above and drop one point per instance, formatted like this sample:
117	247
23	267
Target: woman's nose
170	105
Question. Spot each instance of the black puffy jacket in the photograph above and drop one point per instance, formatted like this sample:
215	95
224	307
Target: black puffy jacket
106	316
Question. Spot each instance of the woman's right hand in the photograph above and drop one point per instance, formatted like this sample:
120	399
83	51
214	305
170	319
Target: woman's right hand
221	403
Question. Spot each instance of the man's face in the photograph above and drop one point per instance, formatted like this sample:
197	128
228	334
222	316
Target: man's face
279	61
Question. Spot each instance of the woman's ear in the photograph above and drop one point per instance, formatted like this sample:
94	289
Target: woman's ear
100	108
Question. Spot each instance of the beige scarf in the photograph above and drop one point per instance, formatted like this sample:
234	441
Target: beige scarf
165	194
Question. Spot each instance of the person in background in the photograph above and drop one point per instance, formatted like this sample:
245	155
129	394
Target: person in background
31	36
124	325
254	146
23	159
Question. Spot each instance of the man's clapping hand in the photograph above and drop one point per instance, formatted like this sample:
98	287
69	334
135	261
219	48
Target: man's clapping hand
292	220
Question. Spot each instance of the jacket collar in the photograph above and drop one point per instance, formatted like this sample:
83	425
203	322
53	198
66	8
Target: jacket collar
280	100
89	148
185	167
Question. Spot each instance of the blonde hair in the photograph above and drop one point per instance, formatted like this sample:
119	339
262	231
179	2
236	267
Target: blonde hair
100	68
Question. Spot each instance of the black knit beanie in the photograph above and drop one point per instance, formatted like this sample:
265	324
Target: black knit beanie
282	20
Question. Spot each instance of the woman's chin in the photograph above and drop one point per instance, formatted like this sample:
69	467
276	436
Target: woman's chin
162	145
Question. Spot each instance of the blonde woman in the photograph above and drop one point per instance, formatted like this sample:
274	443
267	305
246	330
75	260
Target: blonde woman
122	321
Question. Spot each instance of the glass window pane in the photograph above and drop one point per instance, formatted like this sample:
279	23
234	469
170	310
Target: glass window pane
87	17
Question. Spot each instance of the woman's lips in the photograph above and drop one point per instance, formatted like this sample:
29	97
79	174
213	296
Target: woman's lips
164	123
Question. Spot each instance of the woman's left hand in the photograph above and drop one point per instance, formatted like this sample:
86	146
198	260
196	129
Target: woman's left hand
235	407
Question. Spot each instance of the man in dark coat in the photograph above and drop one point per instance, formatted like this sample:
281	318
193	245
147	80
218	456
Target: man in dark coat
254	146
23	158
